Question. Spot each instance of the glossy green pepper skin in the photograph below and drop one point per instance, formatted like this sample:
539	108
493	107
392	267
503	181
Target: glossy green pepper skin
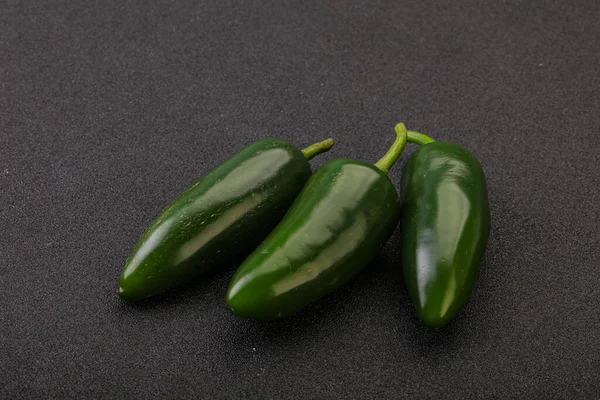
339	222
445	229
224	215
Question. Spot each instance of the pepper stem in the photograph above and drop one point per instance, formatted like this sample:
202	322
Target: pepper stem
317	148
387	161
419	138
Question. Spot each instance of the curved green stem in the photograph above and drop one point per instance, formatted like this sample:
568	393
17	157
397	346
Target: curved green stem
419	138
317	148
386	162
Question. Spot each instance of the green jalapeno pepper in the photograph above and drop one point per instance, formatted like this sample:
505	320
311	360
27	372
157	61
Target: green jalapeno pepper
224	215
445	227
341	219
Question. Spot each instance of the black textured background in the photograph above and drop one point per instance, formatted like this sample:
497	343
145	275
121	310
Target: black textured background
108	109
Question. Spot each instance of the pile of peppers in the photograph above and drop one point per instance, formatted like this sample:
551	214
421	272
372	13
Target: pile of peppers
301	235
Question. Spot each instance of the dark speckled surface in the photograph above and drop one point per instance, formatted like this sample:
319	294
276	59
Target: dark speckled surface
109	109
